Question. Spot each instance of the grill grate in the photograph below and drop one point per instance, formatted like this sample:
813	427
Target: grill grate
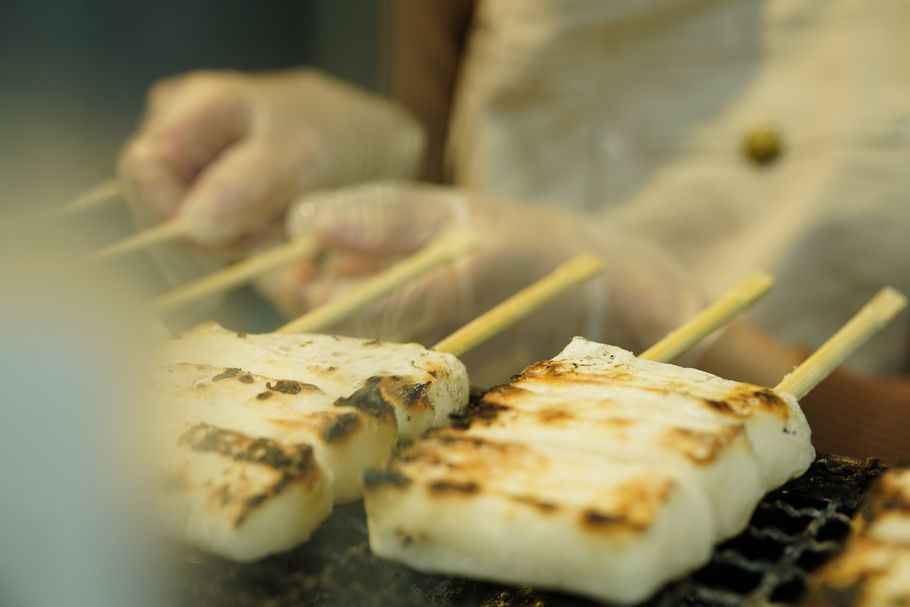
794	530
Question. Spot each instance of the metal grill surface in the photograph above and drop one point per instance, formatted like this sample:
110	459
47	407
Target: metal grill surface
794	530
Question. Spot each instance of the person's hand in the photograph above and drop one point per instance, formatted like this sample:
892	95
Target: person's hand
365	228
227	151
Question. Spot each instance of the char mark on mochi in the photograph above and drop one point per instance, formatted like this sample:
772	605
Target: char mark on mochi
341	428
482	409
381	395
544	506
573	372
384	478
227	374
294	463
746	399
702	447
743	401
293	460
289	386
454	486
760	567
234	373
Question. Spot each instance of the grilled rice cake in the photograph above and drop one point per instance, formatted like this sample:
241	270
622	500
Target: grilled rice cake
520	513
347	435
715	457
874	568
600	398
773	421
251	464
422	386
598	407
242	497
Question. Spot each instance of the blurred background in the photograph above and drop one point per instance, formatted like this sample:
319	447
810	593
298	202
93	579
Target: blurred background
75	73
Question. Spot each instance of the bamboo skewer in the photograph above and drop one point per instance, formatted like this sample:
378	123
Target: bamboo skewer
447	248
739	298
163	232
235	275
523	303
99	196
864	324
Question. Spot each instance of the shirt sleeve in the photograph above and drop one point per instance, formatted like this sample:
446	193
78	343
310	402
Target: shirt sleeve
426	40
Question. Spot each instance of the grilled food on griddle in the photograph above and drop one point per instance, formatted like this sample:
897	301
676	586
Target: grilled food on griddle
262	433
874	568
422	386
595	473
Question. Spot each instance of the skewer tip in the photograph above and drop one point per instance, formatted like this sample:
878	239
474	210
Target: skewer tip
877	313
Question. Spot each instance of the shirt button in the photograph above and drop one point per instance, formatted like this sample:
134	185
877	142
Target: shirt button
762	146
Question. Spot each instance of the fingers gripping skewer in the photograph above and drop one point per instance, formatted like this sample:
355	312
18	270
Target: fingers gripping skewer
102	195
163	232
573	272
742	296
235	275
449	247
866	323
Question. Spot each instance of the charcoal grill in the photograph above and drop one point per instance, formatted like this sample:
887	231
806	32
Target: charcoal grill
794	530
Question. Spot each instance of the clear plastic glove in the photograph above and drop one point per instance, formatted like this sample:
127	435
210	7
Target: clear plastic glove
637	300
228	152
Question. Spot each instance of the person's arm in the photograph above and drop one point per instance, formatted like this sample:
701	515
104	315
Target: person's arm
850	413
427	41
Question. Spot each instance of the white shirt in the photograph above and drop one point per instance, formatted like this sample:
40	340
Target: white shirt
639	109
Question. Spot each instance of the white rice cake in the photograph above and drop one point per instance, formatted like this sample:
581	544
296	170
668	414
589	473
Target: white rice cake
347	435
718	458
422	386
595	411
523	514
242	497
773	421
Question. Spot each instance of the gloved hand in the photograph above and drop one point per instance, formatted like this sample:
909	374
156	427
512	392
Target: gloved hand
364	228
229	151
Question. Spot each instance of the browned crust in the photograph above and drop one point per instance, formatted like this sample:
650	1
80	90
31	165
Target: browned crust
701	447
543	505
741	402
637	509
294	460
381	395
295	463
454	486
284	386
375	479
637	504
227	374
289	386
342	427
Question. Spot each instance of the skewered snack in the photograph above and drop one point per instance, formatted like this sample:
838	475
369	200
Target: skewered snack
874	568
240	496
345	435
691	423
258	462
272	428
593	472
550	480
267	431
421	386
